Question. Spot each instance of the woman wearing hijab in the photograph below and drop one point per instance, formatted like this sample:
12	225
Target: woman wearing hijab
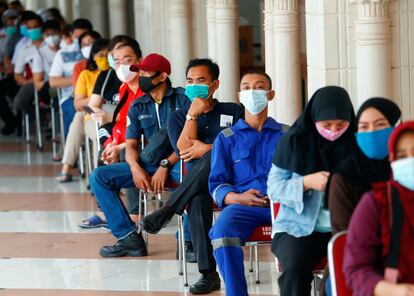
379	258
376	118
319	139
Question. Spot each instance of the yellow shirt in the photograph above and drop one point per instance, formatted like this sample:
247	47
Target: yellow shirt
86	82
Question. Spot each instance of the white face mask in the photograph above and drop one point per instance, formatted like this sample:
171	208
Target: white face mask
52	40
63	44
124	74
403	172
86	51
254	100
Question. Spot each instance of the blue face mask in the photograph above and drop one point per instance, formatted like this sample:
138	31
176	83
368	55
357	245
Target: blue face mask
35	34
194	91
23	30
111	61
10	30
374	144
403	172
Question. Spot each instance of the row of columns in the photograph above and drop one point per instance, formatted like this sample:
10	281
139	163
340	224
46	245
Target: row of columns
282	44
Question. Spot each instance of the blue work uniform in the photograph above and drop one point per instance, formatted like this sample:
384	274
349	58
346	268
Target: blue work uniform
241	160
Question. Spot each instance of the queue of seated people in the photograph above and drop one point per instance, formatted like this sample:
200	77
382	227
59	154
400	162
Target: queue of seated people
331	171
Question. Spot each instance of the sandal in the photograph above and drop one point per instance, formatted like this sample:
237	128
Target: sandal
64	178
93	222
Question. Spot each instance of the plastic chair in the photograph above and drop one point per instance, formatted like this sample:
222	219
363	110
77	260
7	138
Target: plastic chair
336	249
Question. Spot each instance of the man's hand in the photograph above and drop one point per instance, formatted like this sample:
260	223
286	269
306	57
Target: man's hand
195	151
158	179
316	181
101	117
141	179
251	198
111	153
198	107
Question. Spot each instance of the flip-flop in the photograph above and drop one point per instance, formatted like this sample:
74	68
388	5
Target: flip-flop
93	222
64	178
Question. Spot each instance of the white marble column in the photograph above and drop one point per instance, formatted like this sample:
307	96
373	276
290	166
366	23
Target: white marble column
97	14
227	48
117	17
211	28
373	49
65	7
283	58
181	46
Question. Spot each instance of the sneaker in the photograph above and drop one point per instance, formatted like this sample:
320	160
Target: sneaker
131	246
157	220
208	282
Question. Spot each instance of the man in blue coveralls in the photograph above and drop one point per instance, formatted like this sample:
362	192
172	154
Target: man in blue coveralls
240	162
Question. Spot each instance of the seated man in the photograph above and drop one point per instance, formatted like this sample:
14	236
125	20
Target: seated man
146	115
194	132
240	162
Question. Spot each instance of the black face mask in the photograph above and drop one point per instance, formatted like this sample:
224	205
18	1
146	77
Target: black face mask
145	83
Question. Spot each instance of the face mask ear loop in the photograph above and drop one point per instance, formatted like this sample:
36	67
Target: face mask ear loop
208	97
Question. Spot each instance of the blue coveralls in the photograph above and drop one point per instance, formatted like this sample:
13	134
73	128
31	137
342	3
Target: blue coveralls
241	160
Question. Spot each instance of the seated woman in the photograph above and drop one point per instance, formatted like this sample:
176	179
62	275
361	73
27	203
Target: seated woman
379	249
97	62
376	120
312	148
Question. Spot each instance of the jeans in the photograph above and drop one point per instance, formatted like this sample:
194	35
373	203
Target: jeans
106	181
68	110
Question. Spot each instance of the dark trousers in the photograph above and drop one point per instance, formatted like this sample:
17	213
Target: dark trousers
193	194
297	257
8	87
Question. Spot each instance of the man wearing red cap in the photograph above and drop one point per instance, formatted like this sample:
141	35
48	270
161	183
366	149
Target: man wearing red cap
146	116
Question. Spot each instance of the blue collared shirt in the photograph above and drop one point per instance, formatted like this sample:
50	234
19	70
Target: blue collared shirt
300	212
142	114
241	159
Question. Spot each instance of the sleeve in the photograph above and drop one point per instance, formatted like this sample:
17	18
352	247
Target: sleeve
341	205
175	125
362	248
77	71
284	187
134	129
81	85
10	46
19	61
219	182
56	70
99	83
37	65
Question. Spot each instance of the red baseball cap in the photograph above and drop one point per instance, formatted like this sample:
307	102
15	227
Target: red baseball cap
153	62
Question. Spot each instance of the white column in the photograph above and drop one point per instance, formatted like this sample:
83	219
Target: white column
96	13
373	49
227	34
65	7
76	9
268	46
117	17
283	58
181	46
211	28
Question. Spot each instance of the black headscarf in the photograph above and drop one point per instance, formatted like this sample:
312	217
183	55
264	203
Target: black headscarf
360	169
302	150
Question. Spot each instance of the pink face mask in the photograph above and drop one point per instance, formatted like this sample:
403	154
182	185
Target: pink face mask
330	135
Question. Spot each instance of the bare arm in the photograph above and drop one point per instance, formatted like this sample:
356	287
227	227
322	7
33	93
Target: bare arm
80	101
60	81
20	79
38	80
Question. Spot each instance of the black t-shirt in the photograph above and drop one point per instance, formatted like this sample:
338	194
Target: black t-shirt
107	86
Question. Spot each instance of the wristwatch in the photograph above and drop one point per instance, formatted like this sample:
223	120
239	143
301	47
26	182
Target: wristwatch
190	117
165	163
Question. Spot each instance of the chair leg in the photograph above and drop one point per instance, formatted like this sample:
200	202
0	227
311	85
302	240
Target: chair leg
145	198
180	251
53	119
27	127
183	252
81	164
256	258
250	258
38	125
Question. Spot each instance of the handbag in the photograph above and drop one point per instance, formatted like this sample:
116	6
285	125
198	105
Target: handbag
159	146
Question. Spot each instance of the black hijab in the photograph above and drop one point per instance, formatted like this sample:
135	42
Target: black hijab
302	150
360	169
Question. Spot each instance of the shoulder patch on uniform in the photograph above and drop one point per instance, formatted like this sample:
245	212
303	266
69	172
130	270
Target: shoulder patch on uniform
228	132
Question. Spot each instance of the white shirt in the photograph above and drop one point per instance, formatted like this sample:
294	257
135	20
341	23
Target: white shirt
42	60
63	64
23	41
24	55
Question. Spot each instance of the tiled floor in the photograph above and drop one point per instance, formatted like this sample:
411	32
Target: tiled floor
44	252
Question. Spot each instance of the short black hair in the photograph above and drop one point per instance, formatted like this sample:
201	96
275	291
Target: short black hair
213	68
259	72
51	25
117	39
133	44
97	46
28	15
95	35
81	23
